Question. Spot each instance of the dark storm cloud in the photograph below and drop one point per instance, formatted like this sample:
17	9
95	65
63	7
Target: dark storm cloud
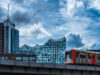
18	1
21	18
2	13
74	41
24	3
94	14
28	17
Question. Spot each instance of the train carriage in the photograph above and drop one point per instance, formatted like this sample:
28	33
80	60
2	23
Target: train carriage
98	58
82	57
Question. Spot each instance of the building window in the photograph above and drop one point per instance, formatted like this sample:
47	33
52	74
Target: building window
6	58
18	58
32	58
25	58
3	58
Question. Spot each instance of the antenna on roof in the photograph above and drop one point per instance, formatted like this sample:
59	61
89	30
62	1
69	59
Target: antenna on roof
8	12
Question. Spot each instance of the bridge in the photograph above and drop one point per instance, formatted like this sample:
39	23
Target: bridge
17	67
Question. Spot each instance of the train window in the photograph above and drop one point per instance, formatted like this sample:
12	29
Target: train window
82	55
68	55
77	54
93	56
98	57
89	56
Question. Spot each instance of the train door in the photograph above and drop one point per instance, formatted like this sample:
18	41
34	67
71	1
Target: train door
91	58
77	57
82	58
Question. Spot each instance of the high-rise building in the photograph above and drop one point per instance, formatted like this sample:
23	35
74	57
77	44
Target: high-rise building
1	38
6	36
8	26
14	40
52	51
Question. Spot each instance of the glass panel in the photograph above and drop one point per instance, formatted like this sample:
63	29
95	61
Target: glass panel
82	55
6	58
3	58
98	57
25	58
32	58
68	57
93	56
18	58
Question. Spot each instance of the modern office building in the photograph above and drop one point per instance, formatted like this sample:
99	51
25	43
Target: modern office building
8	25
14	40
52	51
6	37
1	38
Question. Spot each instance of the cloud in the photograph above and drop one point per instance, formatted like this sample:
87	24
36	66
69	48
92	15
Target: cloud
36	30
21	17
79	21
70	7
25	2
33	34
77	42
95	4
75	25
3	13
47	18
74	41
19	1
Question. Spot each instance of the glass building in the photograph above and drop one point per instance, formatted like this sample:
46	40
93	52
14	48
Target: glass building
8	25
14	40
1	38
52	51
6	37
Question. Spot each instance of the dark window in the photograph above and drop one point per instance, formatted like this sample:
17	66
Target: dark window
98	57
89	56
82	55
68	55
93	56
77	54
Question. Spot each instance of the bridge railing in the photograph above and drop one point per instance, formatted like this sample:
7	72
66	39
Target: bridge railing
47	65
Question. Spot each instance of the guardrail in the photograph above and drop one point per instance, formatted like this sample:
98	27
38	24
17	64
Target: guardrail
46	65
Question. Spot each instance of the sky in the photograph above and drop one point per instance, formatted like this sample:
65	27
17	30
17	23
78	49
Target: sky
39	20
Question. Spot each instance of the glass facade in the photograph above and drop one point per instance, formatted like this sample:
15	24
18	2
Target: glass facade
19	58
14	41
1	38
6	39
52	51
9	37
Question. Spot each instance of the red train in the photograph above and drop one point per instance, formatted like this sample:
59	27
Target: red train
82	57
